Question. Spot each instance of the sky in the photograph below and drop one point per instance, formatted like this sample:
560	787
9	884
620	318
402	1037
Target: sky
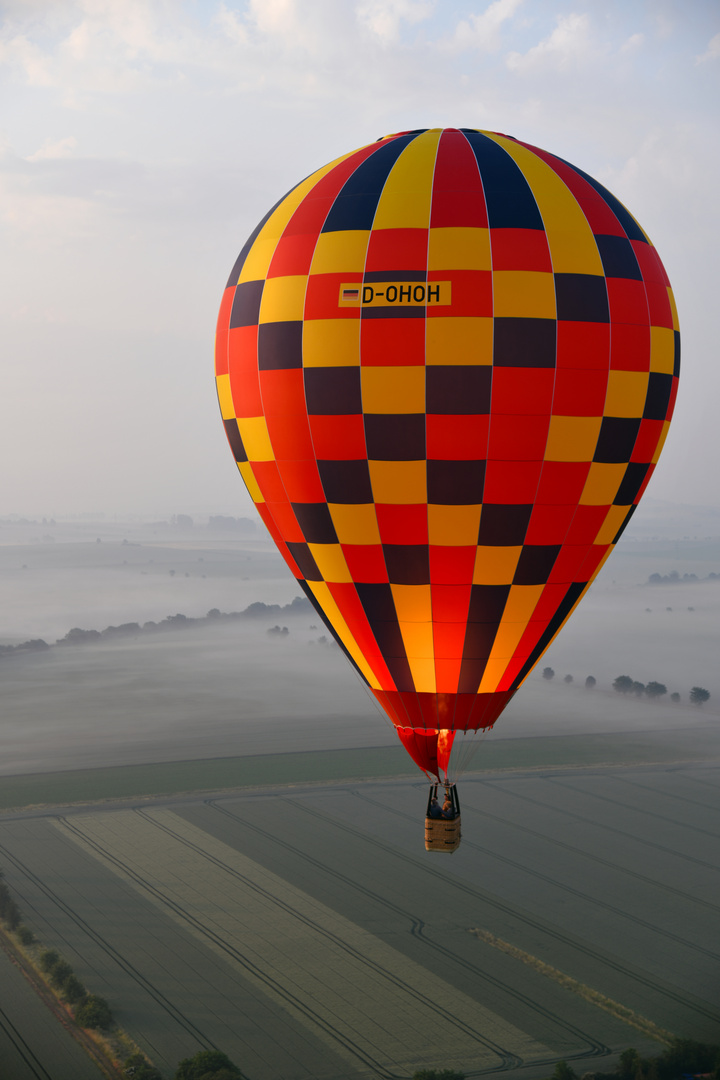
142	141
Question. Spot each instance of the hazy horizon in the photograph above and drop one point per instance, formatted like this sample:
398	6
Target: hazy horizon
225	688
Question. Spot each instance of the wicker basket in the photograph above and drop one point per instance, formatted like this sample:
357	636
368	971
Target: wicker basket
442	834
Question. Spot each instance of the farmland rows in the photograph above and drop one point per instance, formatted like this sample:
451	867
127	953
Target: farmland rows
37	1039
683	895
703	950
567	813
583	853
225	1009
694	1005
117	956
448	1020
670	794
12	1033
714	835
590	1046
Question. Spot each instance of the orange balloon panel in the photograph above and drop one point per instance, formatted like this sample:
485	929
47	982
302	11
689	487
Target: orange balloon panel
446	364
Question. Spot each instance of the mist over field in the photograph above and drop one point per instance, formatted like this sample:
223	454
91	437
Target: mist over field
226	687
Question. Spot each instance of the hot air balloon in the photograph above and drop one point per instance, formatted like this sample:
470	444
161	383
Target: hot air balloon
446	365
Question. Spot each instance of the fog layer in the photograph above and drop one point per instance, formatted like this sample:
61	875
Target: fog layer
228	687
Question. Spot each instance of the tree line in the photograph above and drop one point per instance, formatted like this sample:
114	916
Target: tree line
674	578
680	1058
78	636
625	684
91	1011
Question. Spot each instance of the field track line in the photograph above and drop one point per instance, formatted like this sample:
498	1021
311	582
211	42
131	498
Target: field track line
49	1000
608	828
596	1048
697	1006
111	951
509	1060
669	794
25	1052
338	1038
636	809
589	898
715	908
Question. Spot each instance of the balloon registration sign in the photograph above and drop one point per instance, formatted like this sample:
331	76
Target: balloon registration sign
446	365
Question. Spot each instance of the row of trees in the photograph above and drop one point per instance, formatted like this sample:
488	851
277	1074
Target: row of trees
78	636
674	578
89	1010
681	1058
92	1011
206	1065
624	684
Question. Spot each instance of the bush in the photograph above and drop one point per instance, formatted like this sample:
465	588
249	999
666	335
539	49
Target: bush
699	696
139	1068
206	1065
94	1012
25	934
683	1057
73	990
628	1063
436	1074
688	1056
49	959
655	689
623	684
9	911
562	1071
60	973
548	673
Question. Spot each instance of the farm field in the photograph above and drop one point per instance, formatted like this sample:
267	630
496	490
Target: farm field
33	1044
305	932
699	740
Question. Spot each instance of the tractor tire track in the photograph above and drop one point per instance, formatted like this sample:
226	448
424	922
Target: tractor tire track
634	874
649	983
417	929
572	815
635	809
175	1014
509	1061
21	1047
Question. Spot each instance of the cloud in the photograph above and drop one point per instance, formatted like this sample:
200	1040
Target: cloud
564	48
384	18
51	150
635	41
483	31
712	52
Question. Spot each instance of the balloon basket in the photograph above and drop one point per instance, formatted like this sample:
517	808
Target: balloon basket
443	834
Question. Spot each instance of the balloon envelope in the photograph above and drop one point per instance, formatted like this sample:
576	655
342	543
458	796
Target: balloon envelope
446	364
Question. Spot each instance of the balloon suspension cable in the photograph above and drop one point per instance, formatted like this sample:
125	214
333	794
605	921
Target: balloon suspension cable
465	747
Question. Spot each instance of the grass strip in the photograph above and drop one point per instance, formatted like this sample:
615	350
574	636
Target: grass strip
323	766
620	1012
213	774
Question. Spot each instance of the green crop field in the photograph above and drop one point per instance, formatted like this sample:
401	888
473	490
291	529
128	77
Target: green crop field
305	932
322	766
33	1044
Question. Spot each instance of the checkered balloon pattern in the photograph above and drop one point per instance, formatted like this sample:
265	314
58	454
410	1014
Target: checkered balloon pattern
446	365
